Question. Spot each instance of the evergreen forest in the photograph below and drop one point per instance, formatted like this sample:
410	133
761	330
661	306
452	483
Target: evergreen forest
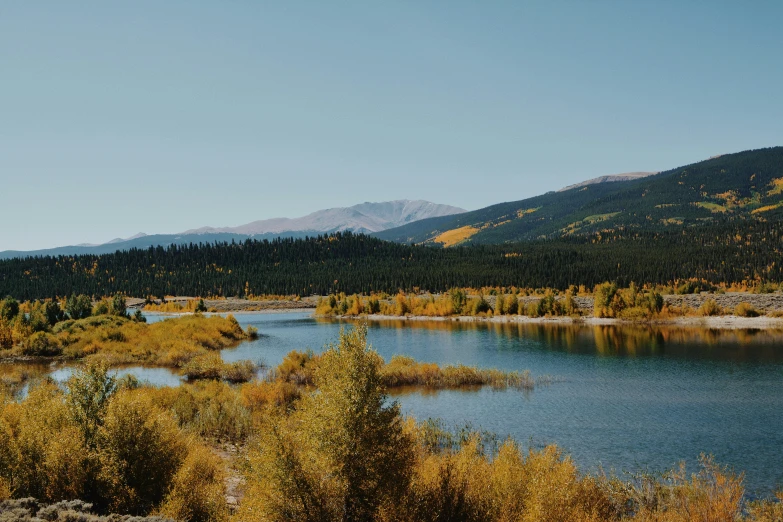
732	252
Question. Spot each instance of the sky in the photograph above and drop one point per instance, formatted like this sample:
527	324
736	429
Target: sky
121	117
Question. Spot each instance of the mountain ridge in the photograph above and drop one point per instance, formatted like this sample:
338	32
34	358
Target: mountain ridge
365	217
627	176
743	185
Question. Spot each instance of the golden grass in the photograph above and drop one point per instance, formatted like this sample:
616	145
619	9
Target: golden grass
456	236
777	187
211	366
172	342
589	220
299	368
712	207
767	208
405	371
523	212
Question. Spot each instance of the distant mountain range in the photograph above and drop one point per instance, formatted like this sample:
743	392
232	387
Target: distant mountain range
362	218
727	188
746	186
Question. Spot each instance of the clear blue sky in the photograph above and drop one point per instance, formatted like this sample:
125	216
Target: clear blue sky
120	117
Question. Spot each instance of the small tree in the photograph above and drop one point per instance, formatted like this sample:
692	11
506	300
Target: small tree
201	306
9	308
6	336
118	306
603	299
78	307
54	313
89	391
100	308
344	454
458	300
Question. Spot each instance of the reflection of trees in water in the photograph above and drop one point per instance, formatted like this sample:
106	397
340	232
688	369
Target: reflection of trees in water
14	376
632	340
647	340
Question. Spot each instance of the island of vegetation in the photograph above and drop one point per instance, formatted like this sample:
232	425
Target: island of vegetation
77	329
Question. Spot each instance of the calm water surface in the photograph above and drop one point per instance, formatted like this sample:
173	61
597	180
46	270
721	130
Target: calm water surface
630	398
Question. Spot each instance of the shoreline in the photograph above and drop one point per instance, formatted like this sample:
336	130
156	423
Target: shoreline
238	311
722	322
719	322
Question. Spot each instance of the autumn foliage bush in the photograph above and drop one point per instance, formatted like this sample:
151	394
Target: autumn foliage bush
109	446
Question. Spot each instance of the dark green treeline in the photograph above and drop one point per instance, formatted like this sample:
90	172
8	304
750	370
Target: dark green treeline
352	263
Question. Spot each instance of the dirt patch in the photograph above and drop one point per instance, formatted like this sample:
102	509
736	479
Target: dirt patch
234	482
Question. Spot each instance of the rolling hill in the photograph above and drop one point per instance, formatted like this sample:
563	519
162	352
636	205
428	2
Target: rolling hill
743	186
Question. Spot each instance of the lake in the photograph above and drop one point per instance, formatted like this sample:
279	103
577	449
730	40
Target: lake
624	398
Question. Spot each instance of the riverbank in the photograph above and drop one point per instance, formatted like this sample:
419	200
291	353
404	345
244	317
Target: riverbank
230	305
730	322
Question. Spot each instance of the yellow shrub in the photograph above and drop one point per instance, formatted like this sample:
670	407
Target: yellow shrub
709	308
746	310
197	493
141	451
259	395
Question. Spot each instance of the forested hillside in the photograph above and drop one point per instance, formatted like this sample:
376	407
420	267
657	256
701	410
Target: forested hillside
747	186
729	252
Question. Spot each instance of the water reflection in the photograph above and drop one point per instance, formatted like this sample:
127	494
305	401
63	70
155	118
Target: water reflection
17	378
738	345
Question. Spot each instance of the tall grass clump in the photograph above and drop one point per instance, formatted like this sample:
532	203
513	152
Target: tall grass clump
212	410
710	308
212	366
405	371
746	310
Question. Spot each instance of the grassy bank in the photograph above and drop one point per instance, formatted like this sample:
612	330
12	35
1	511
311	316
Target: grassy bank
605	301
